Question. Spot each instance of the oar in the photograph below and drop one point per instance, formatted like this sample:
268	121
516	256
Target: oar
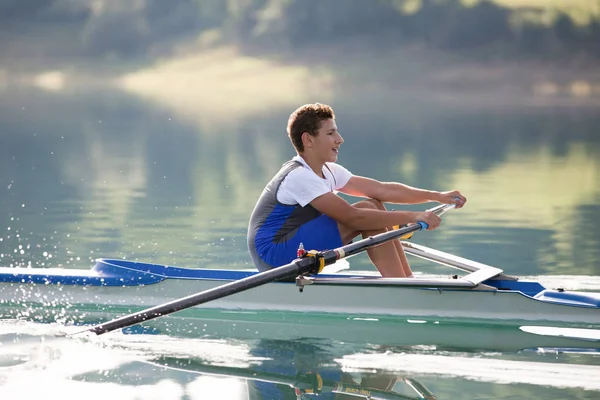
313	263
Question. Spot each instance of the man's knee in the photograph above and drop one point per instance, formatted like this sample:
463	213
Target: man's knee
370	203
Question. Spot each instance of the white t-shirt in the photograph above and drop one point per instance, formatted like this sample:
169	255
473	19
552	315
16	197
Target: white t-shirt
302	185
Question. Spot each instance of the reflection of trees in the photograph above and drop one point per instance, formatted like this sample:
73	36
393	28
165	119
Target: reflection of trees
584	231
33	145
153	188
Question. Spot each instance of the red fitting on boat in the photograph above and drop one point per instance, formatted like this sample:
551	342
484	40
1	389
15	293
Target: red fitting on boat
301	252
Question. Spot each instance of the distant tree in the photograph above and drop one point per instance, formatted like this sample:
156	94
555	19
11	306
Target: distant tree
593	38
306	22
20	10
172	18
123	33
565	29
22	14
531	40
484	24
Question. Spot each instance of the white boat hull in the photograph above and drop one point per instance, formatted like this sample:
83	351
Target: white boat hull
363	300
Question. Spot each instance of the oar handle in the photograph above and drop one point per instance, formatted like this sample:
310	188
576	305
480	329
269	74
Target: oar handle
442	209
439	211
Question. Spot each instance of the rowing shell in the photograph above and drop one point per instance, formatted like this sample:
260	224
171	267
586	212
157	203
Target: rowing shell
484	293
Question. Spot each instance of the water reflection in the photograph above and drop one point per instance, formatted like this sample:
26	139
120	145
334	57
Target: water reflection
300	370
282	369
108	174
157	366
275	370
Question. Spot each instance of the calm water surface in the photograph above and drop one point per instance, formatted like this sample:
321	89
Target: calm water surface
106	174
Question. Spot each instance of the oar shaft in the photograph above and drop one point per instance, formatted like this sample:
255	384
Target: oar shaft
353	248
297	267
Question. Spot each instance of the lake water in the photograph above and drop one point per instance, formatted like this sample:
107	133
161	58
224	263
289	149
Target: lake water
108	174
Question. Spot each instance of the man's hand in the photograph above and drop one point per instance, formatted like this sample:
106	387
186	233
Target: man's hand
452	197
431	219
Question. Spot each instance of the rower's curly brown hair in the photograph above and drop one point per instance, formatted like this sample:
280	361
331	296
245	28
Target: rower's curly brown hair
307	118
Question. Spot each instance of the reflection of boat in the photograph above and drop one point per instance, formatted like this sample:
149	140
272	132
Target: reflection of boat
310	383
483	293
304	369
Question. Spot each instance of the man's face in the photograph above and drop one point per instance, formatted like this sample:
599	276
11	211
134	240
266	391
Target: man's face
326	144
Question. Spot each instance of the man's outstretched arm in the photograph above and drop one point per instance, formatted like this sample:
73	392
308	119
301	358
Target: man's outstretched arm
394	192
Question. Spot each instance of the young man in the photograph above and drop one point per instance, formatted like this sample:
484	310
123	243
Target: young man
300	204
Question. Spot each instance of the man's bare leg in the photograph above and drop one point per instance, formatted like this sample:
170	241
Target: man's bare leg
388	258
407	270
401	254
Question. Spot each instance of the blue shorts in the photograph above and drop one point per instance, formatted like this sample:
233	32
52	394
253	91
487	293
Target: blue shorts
321	233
